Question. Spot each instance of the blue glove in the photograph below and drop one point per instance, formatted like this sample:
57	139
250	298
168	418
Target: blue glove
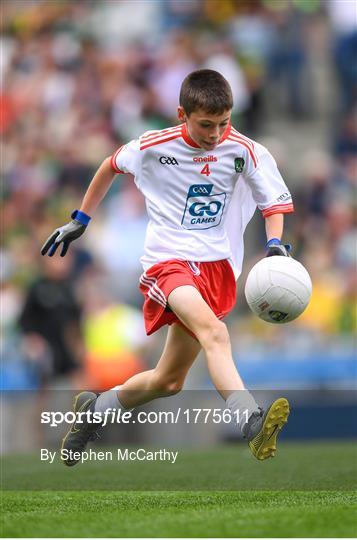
66	234
275	247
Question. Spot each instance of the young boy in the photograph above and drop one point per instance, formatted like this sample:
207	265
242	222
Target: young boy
202	181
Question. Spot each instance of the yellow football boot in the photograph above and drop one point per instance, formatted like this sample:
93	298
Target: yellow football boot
263	428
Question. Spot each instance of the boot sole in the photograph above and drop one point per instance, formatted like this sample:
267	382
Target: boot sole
263	446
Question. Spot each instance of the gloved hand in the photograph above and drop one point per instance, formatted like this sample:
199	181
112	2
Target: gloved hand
275	247
66	234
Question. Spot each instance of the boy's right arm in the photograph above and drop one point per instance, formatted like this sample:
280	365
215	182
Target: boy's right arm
96	191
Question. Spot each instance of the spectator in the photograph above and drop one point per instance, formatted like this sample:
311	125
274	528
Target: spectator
51	316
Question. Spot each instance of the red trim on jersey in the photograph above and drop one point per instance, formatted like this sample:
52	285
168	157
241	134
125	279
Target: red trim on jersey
226	133
162	132
278	209
244	143
241	136
186	136
112	161
159	141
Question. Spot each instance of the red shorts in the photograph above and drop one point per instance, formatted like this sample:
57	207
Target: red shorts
214	280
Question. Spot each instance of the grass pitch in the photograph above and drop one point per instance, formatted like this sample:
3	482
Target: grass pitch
284	498
179	514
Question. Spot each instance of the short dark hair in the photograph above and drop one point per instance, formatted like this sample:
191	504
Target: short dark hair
207	90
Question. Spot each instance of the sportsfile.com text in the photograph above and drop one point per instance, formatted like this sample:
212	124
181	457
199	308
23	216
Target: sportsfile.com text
114	416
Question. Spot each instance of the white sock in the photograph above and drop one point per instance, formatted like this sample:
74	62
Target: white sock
109	400
241	404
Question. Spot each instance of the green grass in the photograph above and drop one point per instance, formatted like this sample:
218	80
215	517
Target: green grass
185	514
306	491
298	466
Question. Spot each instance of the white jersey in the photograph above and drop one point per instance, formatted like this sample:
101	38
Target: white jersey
199	202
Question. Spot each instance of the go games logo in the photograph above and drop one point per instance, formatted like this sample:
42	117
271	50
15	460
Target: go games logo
203	208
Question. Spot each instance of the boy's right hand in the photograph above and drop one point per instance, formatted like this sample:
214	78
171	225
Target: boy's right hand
66	234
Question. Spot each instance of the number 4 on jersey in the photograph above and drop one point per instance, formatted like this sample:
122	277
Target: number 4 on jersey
206	170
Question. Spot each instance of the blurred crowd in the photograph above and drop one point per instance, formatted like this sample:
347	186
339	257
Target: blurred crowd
81	78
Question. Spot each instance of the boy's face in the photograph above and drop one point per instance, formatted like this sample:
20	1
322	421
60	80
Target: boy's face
204	128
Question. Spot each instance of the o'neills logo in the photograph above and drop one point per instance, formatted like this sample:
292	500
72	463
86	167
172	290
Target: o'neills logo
207	159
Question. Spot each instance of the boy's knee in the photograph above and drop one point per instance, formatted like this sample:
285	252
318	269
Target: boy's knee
173	387
168	386
215	333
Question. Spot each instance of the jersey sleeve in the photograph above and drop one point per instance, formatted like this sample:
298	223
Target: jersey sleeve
127	158
269	190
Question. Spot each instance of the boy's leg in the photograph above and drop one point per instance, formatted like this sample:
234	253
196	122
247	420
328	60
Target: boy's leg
262	428
166	379
168	376
194	312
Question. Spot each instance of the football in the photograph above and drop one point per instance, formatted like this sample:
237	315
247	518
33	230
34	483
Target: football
278	289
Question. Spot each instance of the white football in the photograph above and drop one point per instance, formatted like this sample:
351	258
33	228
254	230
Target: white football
278	289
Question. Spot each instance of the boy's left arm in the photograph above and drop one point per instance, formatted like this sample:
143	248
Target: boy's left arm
274	225
271	195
